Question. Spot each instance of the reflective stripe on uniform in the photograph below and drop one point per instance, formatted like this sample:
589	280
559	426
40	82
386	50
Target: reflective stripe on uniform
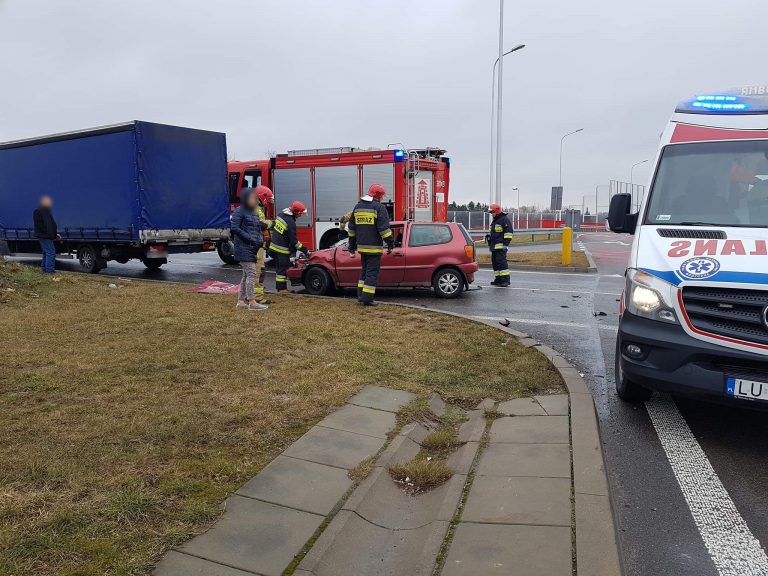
351	233
281	278
370	249
508	236
386	234
502	273
280	225
281	249
498	247
363	217
360	284
299	245
369	289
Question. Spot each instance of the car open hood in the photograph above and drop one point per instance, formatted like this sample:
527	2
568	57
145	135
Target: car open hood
727	255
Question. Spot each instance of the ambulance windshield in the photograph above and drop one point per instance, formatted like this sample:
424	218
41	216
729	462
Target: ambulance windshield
711	184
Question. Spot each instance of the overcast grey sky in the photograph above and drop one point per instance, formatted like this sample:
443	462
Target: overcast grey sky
286	74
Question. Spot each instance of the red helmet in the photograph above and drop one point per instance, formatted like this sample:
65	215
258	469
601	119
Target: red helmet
297	208
264	194
494	209
377	191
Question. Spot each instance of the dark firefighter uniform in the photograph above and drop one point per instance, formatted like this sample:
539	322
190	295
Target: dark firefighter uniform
282	244
498	241
367	228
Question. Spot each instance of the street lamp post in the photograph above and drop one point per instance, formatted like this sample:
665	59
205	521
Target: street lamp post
632	171
491	189
517	189
561	152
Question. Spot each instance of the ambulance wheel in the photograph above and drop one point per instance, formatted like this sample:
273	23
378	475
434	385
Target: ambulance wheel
448	283
625	388
317	281
226	251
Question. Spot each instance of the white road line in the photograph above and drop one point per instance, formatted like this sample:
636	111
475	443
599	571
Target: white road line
733	548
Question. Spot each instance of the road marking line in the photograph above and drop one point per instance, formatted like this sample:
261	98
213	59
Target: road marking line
733	548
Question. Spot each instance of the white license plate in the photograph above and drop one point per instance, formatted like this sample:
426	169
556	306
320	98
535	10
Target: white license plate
747	389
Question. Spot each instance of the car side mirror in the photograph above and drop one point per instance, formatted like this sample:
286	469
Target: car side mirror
619	218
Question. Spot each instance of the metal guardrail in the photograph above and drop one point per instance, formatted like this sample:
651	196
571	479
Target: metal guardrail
531	231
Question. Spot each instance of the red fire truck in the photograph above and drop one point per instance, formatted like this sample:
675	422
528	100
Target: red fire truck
329	182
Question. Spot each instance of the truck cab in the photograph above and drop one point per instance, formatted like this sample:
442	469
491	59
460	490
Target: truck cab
694	312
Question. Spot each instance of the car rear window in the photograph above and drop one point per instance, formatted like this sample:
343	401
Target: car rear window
467	237
429	235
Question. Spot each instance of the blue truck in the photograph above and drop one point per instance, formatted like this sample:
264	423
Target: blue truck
136	190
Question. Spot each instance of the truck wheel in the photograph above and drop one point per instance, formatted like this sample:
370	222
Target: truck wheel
89	259
153	263
226	250
317	281
625	388
448	283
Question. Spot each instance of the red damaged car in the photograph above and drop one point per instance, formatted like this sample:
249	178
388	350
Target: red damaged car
441	255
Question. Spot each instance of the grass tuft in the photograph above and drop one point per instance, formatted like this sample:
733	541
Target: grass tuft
441	440
492	413
362	470
420	474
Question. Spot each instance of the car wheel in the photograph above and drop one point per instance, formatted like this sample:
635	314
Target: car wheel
226	251
626	389
448	283
317	281
89	259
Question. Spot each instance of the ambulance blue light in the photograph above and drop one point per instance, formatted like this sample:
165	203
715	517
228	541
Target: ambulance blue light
399	155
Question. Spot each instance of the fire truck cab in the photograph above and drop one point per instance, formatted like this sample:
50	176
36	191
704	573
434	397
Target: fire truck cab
329	181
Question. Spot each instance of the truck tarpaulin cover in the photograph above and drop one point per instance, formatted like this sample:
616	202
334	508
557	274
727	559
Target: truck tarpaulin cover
116	181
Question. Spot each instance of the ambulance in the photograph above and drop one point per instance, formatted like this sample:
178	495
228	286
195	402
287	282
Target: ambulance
694	312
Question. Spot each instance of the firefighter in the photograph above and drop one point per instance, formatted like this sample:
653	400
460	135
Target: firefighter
284	241
498	243
266	198
367	228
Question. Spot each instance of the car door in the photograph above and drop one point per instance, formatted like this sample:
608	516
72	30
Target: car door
426	244
393	265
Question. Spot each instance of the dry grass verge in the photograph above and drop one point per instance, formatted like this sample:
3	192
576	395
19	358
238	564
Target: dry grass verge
127	415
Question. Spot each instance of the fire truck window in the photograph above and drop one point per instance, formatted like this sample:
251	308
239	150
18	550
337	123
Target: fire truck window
429	235
336	191
234	189
252	179
295	184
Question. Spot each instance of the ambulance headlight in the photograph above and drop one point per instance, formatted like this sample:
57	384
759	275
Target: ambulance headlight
650	297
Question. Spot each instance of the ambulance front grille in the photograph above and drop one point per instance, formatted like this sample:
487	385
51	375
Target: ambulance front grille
729	312
693	234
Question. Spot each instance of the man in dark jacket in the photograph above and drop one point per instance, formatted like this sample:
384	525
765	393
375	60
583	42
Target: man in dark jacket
498	243
285	242
46	233
246	232
368	229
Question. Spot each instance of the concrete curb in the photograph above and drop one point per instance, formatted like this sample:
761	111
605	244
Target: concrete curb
596	541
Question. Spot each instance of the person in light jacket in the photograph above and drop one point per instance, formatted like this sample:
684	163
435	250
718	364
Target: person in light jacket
247	237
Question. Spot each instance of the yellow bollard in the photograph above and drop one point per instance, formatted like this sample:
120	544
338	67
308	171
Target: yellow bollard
567	245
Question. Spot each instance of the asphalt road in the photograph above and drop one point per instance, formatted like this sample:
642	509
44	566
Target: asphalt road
685	505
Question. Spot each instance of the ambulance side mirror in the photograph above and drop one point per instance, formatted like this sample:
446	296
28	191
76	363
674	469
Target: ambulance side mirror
619	218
